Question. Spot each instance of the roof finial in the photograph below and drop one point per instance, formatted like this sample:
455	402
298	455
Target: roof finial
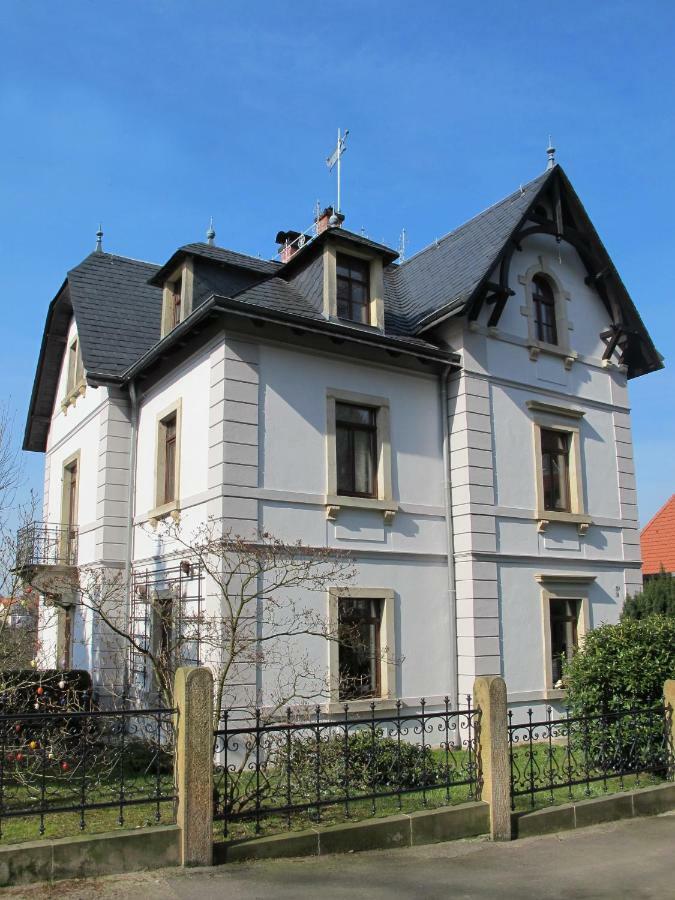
99	239
211	234
550	150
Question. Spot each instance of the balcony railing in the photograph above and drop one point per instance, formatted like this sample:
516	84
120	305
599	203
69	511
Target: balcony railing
46	544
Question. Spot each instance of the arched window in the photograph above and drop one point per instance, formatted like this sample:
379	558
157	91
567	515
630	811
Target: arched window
544	310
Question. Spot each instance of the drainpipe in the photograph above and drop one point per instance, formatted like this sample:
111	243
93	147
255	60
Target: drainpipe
133	403
450	539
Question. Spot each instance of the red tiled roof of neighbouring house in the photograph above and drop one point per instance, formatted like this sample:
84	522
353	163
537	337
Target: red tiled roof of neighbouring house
657	540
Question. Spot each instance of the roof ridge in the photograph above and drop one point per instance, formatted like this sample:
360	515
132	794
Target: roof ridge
433	244
658	513
99	253
257	259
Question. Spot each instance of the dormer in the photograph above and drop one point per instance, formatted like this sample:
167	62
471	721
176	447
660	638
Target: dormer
177	295
340	272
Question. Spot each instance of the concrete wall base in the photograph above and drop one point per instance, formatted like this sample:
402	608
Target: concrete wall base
406	830
93	855
648	801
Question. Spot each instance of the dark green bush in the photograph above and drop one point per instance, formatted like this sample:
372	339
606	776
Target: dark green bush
657	597
366	763
619	674
621	665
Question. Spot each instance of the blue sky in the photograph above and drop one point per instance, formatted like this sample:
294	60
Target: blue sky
153	116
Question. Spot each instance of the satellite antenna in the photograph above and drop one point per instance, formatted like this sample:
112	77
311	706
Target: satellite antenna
335	159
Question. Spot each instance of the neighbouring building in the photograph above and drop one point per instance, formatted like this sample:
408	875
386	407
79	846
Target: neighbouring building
657	541
459	421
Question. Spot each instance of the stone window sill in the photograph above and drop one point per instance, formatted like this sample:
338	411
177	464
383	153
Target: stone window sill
162	512
538	347
358	706
71	398
581	520
334	504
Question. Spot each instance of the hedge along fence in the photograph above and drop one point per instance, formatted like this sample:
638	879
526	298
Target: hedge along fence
63	770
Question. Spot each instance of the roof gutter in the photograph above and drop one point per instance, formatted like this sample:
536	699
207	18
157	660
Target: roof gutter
217	305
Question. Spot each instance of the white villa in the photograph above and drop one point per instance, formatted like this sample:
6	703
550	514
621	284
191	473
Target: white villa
458	421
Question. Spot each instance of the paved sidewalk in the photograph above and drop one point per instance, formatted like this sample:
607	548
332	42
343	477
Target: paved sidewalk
633	858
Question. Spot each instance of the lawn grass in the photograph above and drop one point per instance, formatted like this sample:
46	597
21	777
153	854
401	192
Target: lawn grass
359	809
68	824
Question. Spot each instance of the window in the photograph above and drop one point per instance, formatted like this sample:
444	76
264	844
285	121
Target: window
559	489
356	450
69	511
362	652
169	451
555	464
75	367
167	466
353	289
359	623
177	296
564	623
544	310
176	301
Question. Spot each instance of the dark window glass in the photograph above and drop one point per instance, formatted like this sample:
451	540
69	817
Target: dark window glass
555	463
544	310
564	637
353	289
169	428
356	450
176	301
359	647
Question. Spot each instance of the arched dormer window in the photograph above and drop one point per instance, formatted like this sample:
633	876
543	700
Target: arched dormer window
543	300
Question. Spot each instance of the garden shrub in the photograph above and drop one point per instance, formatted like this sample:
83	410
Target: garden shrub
622	668
657	596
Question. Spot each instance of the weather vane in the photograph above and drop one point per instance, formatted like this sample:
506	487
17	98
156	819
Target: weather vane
335	158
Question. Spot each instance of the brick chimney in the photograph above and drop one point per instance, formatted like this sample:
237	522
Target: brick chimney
323	220
288	244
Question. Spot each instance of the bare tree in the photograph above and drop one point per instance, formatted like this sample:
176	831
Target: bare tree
19	607
239	605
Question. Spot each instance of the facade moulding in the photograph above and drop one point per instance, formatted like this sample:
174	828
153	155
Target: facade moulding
506	337
550	393
600	562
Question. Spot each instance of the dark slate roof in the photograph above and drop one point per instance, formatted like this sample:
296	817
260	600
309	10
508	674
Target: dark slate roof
218	255
444	276
118	313
117	301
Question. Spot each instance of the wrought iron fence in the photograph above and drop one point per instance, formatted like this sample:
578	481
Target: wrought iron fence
551	757
310	768
46	544
89	763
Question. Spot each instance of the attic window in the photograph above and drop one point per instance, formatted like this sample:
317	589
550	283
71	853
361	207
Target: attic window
176	301
75	376
543	300
177	297
353	289
541	210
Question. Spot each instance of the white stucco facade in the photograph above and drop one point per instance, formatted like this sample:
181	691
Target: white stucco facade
471	590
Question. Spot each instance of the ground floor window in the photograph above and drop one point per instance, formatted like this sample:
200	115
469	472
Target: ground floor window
564	625
359	624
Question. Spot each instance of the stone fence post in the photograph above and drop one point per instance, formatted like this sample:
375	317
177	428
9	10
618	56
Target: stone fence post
193	692
489	695
669	701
